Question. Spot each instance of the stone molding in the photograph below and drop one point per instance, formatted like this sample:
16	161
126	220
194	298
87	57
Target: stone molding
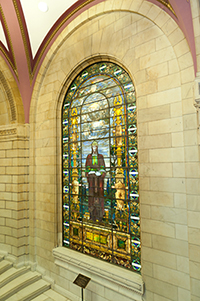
8	132
20	130
121	281
9	97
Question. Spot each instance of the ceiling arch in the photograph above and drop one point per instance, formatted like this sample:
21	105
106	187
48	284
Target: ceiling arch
26	33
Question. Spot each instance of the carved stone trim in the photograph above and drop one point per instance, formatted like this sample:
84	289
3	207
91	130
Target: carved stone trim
168	5
8	132
9	96
24	38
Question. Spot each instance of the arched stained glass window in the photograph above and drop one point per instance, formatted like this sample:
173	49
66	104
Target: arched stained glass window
100	166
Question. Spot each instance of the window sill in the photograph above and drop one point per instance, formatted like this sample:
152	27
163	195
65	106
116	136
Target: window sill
122	281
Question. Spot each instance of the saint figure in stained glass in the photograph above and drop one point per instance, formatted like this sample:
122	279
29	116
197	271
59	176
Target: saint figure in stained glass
95	173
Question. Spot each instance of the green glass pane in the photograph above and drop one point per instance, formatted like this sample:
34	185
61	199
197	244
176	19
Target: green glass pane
121	244
75	231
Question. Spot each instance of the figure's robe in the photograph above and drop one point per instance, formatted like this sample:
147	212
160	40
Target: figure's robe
96	185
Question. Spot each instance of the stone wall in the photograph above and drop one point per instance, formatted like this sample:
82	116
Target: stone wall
195	7
14	169
193	173
150	46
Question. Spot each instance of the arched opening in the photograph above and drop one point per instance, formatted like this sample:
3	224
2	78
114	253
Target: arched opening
100	166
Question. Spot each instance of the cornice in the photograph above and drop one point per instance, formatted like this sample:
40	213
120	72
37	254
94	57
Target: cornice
8	132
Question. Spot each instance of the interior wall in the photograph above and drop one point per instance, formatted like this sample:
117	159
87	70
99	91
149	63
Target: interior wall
148	43
195	8
14	151
192	143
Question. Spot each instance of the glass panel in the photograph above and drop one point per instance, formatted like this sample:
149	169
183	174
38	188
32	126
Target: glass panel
100	167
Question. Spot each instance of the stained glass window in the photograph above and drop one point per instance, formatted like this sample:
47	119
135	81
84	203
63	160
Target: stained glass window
100	166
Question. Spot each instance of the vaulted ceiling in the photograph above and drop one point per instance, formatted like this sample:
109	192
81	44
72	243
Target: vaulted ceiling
26	33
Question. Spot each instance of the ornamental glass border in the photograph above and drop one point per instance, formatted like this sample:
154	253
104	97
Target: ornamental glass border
100	185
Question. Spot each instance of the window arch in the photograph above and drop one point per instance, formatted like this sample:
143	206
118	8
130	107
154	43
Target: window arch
100	166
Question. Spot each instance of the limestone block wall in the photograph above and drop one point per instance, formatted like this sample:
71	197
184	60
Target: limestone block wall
14	152
195	7
11	106
193	173
150	46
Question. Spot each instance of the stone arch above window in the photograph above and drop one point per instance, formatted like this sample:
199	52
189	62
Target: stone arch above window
100	166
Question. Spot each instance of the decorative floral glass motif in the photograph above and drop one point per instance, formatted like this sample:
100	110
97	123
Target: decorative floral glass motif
100	166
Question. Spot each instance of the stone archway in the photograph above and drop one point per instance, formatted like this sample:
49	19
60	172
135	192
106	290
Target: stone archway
149	43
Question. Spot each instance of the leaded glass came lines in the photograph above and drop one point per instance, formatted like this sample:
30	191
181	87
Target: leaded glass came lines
100	166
